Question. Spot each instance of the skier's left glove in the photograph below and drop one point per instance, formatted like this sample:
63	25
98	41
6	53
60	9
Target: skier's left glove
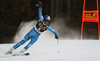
39	4
56	37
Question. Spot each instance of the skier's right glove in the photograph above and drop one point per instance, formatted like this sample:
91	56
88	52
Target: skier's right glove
56	37
39	4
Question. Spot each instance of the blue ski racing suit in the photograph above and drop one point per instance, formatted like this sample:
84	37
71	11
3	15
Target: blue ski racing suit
35	32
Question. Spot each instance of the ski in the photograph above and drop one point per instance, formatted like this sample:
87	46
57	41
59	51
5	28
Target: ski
25	54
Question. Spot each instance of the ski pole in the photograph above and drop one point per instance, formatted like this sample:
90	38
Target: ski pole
57	45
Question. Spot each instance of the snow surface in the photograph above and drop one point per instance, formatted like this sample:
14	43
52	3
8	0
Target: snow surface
70	50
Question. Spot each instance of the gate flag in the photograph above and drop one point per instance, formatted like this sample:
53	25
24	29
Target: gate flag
90	16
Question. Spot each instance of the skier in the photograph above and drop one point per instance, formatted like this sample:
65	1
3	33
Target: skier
35	32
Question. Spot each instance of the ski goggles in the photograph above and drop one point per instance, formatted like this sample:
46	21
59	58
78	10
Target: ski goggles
46	20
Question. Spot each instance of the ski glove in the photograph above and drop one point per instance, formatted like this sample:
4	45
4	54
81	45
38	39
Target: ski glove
39	4
56	37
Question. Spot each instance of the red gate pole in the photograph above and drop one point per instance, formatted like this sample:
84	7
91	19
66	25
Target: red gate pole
98	18
82	19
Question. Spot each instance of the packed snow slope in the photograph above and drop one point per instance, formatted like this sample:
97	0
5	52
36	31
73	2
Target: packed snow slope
69	50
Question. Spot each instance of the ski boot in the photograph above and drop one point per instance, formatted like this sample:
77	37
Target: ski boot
10	51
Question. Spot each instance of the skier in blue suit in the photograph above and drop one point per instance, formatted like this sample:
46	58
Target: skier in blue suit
41	26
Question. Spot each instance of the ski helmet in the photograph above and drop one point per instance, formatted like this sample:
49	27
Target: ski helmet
47	17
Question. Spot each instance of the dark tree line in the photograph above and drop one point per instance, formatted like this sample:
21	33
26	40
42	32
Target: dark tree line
13	12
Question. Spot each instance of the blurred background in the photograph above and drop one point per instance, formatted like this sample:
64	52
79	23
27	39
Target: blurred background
67	13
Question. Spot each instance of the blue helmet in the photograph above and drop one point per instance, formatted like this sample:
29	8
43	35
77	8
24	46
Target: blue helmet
47	17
